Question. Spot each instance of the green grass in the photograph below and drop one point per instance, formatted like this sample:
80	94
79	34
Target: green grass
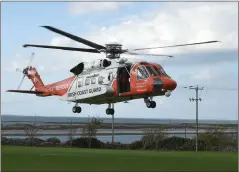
74	159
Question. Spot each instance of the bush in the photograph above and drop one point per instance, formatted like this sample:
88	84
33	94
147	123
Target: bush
34	141
173	143
54	141
4	141
84	143
191	145
136	145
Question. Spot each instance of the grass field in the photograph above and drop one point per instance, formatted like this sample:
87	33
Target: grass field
74	159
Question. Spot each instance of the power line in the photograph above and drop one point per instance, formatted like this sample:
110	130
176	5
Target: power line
196	88
214	88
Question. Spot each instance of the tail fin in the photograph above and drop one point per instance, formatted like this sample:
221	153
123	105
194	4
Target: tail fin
35	77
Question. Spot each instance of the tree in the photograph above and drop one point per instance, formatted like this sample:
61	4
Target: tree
158	136
90	129
215	138
152	137
31	130
72	132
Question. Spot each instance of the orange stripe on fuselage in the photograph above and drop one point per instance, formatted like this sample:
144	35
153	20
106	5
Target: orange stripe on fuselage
58	88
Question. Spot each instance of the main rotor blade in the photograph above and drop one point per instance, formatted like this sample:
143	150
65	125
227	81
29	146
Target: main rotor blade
208	42
64	48
21	82
19	70
75	38
30	60
143	54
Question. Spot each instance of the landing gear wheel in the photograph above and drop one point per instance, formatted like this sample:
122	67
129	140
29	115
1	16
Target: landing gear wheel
76	109
148	104
153	104
110	111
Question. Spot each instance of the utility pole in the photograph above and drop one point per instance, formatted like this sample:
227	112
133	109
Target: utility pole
196	88
113	122
113	129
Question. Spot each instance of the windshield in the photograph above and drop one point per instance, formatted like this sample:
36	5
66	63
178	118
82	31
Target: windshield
161	72
151	71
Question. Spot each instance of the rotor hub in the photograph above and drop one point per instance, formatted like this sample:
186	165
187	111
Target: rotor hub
113	50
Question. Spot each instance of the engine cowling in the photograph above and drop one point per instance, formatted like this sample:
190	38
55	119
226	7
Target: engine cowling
96	64
100	63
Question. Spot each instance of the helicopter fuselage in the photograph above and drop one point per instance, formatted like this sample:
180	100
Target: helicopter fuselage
104	86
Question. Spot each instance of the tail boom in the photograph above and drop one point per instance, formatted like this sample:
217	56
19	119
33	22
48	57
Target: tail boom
55	89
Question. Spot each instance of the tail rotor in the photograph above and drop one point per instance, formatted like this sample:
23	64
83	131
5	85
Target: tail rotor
26	70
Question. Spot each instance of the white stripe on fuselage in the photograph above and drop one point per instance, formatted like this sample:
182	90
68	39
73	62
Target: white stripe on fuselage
93	90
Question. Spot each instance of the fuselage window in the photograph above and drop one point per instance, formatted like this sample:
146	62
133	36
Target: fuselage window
87	81
80	82
110	76
100	80
93	80
142	73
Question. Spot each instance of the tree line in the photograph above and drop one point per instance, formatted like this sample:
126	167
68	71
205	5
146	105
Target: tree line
152	139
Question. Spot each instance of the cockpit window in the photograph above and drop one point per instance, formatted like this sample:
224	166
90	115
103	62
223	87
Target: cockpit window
151	71
161	71
142	73
164	73
158	72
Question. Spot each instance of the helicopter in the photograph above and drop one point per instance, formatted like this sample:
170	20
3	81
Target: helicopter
110	80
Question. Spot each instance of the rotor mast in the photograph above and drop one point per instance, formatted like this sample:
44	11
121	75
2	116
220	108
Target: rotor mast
113	50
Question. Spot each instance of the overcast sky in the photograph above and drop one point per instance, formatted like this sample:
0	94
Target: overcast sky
135	25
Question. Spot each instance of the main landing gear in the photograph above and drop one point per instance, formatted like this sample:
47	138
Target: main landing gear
76	109
150	103
110	110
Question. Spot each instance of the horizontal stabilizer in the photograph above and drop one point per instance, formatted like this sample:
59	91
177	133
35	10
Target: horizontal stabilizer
25	91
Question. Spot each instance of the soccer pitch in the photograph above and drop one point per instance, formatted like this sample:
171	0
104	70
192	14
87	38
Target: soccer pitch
16	158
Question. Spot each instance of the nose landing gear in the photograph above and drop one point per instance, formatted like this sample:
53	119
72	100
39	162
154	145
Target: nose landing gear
150	103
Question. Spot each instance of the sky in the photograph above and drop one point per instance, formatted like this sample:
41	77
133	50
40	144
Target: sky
135	25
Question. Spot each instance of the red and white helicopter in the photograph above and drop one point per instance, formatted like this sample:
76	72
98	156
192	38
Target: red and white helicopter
105	81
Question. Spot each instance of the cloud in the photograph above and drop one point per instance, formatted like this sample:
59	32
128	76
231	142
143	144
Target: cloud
172	23
175	24
60	41
205	74
79	8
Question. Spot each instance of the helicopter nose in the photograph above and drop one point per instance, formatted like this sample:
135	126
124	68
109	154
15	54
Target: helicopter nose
169	84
